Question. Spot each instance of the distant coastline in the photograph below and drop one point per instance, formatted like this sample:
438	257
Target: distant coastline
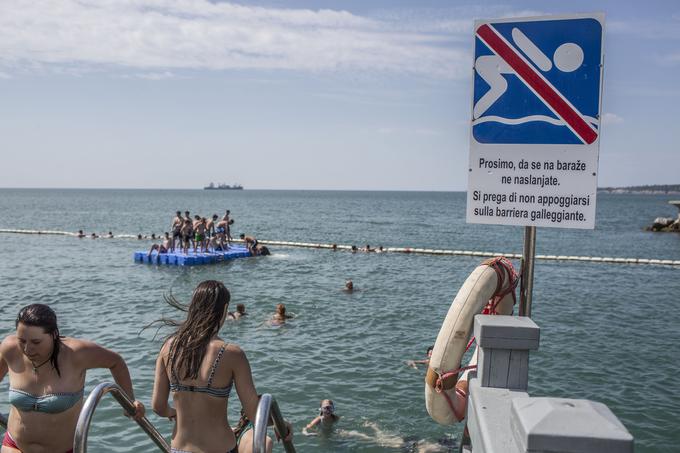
651	189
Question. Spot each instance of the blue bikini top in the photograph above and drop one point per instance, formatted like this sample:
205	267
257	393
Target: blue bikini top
176	386
51	403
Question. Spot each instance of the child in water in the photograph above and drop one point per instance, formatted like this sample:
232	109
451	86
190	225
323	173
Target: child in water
326	416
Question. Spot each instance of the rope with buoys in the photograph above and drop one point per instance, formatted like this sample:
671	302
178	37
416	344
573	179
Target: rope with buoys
407	250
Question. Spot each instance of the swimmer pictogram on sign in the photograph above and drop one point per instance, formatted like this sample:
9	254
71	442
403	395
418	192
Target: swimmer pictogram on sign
537	82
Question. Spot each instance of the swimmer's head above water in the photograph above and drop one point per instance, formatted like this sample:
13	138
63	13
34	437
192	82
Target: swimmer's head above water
327	408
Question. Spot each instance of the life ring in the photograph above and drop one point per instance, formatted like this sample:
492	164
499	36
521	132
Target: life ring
490	288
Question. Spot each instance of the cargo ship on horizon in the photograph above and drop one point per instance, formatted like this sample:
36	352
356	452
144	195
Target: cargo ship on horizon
212	186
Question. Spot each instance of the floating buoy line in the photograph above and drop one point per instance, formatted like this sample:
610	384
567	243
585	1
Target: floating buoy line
413	250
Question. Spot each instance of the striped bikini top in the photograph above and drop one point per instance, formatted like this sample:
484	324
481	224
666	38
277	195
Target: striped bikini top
223	392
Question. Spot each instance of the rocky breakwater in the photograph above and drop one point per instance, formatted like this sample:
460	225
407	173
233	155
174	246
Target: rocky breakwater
667	223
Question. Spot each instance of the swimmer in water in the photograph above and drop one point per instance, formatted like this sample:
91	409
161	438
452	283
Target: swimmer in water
326	416
409	444
426	361
81	234
349	286
239	313
280	316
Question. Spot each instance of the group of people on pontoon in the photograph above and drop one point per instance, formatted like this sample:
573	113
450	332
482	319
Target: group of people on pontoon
200	233
195	368
203	235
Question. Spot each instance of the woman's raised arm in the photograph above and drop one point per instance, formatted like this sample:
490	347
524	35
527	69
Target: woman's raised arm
91	355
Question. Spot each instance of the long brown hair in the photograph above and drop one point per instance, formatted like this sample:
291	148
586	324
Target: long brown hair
40	315
204	317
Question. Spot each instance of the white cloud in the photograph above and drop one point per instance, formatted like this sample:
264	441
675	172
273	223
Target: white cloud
671	59
174	35
611	118
423	131
151	76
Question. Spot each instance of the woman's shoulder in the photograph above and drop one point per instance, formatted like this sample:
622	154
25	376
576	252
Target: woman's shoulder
77	344
9	345
232	350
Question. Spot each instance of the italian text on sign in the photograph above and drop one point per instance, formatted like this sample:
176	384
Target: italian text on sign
535	130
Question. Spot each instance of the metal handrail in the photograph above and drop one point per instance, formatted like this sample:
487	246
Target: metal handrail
266	408
86	413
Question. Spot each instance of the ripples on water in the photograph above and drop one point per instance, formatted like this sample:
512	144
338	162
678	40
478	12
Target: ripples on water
609	332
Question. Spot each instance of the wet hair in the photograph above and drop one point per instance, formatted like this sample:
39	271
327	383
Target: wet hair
204	318
429	349
264	250
240	308
41	315
242	236
281	309
179	213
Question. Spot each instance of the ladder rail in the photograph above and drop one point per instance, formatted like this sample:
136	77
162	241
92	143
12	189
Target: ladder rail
86	413
268	408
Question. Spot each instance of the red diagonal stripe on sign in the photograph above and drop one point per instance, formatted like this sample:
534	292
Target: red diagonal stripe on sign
533	79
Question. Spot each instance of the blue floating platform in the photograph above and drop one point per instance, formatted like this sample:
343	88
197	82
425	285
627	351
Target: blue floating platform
191	258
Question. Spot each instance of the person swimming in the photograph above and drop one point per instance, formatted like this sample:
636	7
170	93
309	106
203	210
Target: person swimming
349	286
326	417
240	312
280	316
425	361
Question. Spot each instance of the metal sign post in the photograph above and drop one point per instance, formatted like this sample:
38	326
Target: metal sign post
535	128
527	285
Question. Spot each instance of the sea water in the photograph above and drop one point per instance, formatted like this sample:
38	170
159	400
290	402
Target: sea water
609	332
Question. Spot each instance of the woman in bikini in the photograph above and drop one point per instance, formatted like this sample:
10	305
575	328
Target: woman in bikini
199	369
46	380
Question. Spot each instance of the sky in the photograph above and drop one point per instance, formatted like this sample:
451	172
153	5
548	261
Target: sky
337	95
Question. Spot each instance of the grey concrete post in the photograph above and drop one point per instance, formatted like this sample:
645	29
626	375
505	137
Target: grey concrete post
503	418
504	343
